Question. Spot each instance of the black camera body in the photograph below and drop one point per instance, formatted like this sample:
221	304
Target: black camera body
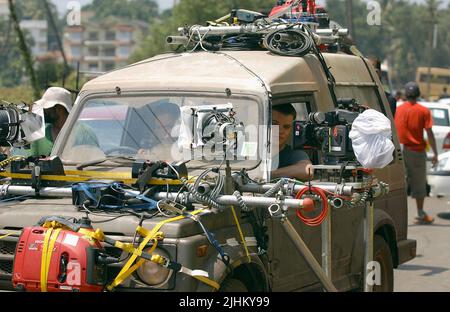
329	132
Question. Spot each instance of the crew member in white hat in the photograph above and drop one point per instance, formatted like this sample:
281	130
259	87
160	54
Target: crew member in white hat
57	104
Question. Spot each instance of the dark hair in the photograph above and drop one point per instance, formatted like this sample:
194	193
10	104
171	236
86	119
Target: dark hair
286	109
376	62
412	90
164	106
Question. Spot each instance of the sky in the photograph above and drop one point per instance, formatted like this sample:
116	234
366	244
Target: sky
164	4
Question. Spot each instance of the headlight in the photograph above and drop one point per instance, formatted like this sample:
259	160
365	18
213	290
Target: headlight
153	274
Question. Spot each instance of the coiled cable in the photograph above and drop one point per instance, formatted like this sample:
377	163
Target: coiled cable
204	199
241	202
289	42
316	221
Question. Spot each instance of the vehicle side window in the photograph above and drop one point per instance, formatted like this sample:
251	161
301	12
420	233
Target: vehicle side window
363	95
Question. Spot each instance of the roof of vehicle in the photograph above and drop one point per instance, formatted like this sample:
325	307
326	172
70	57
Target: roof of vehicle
240	71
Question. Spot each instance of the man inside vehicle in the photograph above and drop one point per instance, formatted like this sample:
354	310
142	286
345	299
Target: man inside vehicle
57	104
291	163
157	122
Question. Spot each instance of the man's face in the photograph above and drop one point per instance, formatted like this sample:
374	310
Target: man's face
51	115
164	125
285	125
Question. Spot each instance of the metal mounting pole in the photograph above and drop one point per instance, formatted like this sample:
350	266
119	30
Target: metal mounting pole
368	241
307	255
326	245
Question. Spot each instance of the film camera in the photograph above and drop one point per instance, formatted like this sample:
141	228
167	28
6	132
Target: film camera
329	132
19	126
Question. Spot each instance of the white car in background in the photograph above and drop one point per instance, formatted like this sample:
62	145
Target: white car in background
439	177
445	101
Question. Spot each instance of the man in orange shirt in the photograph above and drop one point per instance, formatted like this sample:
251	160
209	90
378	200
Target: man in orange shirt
411	120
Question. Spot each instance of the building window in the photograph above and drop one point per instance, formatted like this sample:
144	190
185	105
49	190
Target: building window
124	51
75	51
43	48
109	66
93	51
75	36
110	36
124	36
93	66
43	34
110	52
93	36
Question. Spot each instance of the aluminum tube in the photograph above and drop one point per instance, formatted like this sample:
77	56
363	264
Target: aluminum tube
16	190
254	188
229	30
308	256
177	40
261	202
368	240
257	202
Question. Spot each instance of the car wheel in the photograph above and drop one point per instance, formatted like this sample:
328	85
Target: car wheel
233	285
382	254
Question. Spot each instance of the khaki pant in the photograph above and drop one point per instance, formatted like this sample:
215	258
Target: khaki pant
416	172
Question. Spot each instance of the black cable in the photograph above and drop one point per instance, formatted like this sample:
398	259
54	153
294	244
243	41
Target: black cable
246	42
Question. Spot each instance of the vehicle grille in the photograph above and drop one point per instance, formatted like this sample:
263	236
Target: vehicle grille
6	267
7	248
7	252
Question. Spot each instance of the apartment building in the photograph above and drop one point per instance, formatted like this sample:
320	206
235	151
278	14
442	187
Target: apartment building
38	31
102	46
4	9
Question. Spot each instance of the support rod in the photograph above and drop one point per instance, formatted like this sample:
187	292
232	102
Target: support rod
308	256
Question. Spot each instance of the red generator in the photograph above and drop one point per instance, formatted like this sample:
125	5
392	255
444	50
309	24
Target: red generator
73	264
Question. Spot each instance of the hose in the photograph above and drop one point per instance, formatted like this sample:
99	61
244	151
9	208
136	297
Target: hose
316	221
206	200
6	162
241	202
275	188
289	42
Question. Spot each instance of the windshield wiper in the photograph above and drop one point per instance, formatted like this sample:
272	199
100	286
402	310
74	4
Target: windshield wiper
117	159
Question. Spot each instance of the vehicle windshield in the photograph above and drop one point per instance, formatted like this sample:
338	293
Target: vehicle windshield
440	117
166	128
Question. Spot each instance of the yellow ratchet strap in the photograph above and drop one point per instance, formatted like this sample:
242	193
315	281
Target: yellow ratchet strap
238	225
47	250
127	270
5	236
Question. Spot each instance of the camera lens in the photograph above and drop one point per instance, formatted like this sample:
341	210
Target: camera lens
318	118
9	125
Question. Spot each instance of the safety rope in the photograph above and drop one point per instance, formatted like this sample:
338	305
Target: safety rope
238	225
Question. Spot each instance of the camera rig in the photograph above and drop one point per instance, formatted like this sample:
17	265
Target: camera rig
329	132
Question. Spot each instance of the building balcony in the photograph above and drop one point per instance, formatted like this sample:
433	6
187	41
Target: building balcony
100	43
99	58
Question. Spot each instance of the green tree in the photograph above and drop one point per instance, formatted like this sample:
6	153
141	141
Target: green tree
142	10
189	12
403	38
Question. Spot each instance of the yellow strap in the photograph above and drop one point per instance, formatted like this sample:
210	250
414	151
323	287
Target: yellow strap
47	251
207	281
5	236
127	269
240	233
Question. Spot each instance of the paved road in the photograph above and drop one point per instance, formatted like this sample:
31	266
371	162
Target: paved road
430	271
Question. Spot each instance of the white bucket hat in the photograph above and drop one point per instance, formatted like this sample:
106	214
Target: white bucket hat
55	96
